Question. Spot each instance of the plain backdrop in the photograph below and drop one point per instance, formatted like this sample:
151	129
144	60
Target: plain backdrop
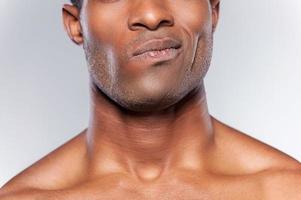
253	84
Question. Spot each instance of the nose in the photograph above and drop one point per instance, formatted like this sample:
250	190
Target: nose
149	14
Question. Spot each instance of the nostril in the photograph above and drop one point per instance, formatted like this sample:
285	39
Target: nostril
150	18
166	23
138	25
151	25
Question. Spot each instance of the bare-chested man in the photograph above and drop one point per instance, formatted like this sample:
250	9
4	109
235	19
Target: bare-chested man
150	135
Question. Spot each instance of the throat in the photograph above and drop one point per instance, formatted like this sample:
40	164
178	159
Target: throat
147	172
149	145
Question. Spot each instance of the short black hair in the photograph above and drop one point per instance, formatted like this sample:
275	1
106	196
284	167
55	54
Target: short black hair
77	3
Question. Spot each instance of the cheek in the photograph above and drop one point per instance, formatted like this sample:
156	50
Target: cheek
103	24
103	38
194	16
99	29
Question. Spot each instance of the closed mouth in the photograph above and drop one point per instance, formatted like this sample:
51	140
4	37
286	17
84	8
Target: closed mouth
157	45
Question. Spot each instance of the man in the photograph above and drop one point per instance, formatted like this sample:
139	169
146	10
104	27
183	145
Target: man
150	135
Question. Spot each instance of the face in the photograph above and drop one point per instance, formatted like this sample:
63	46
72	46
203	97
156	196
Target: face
146	55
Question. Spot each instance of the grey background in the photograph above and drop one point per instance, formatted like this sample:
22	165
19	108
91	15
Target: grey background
253	84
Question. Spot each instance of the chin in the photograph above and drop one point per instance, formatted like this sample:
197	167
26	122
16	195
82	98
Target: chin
147	104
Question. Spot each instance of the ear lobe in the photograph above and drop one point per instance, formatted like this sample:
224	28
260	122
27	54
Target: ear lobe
215	4
72	25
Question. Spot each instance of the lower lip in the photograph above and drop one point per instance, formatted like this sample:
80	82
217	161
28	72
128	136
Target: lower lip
157	56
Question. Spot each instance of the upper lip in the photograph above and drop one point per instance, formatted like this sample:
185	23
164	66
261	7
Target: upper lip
157	45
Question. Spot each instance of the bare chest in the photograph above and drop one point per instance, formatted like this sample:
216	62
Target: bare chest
183	193
167	192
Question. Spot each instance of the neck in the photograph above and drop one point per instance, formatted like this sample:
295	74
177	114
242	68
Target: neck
180	136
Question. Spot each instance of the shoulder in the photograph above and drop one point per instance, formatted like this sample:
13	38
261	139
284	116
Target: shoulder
30	194
57	169
282	184
278	173
247	155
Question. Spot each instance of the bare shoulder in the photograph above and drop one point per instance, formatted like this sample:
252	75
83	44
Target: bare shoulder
282	184
279	173
47	173
248	155
27	194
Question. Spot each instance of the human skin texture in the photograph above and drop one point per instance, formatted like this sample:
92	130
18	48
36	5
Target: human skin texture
150	134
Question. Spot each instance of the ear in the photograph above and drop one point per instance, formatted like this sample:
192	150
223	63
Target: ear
71	16
215	13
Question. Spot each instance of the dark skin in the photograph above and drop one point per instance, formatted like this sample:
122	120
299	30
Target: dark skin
150	134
